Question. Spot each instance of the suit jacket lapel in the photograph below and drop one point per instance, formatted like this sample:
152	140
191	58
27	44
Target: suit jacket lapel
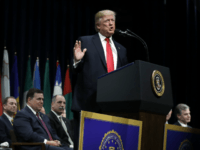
34	117
46	123
118	48
99	47
55	117
7	121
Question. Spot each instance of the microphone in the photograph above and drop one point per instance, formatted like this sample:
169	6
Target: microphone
125	34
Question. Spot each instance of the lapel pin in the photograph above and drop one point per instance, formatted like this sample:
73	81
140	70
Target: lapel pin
118	47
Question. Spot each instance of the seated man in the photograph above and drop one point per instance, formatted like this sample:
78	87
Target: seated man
182	112
6	120
30	125
60	124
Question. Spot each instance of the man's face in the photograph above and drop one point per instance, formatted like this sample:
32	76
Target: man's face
185	116
59	105
106	25
11	107
36	102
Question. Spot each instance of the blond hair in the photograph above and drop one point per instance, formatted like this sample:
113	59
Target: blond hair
100	14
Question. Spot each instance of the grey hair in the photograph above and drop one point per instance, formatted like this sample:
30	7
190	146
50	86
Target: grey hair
99	16
54	98
179	108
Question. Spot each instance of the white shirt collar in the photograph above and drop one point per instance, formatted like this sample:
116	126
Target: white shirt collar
182	124
102	37
31	109
9	118
56	115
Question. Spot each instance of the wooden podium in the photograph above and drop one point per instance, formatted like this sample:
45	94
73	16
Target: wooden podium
140	91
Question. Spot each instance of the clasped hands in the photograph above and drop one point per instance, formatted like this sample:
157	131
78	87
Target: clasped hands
54	143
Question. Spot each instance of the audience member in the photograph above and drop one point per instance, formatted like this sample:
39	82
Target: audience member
60	124
30	125
6	120
182	112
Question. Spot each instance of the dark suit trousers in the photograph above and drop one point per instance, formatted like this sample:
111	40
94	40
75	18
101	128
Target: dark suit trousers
76	129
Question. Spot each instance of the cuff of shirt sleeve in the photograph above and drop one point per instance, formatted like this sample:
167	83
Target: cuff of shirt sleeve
76	64
45	141
4	144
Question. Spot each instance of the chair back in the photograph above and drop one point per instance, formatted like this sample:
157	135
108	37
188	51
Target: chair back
13	137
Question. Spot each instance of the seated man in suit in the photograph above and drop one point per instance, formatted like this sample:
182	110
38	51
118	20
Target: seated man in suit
182	112
6	120
30	125
60	124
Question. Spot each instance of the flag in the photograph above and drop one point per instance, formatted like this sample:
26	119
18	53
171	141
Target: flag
67	92
36	75
1	105
14	82
5	76
47	89
28	80
58	82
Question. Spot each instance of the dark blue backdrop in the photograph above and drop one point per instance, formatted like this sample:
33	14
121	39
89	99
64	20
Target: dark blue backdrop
49	28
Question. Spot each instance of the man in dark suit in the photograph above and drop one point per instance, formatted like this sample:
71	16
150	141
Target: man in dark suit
182	112
6	120
30	125
60	124
94	56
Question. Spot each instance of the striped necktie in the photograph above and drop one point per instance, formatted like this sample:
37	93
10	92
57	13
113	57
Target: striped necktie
45	127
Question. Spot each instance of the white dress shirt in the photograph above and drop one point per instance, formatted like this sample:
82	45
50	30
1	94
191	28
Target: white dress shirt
182	124
45	140
112	45
9	117
65	128
104	42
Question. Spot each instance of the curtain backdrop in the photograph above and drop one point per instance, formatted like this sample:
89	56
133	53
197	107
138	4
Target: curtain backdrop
49	28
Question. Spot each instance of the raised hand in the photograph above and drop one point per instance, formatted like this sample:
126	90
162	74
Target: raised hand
78	53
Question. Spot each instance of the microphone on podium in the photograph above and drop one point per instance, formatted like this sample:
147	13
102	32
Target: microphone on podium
129	33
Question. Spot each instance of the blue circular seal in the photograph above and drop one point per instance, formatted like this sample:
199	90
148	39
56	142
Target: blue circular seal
111	141
186	145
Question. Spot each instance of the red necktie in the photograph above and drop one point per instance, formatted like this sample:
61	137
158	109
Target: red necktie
109	56
44	125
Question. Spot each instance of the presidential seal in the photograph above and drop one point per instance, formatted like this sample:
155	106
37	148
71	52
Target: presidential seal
111	141
186	145
158	83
